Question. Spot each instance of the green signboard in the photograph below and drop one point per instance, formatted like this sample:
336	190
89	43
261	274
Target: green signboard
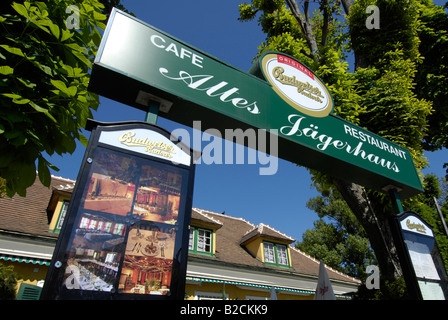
137	62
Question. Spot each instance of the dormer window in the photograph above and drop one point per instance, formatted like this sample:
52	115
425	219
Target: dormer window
268	245
276	254
201	240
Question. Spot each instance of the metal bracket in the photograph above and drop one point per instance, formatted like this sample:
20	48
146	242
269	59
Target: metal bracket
145	98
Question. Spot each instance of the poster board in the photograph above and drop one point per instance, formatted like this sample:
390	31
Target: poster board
422	255
125	235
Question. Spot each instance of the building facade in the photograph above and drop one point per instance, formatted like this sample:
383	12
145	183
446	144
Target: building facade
232	258
229	257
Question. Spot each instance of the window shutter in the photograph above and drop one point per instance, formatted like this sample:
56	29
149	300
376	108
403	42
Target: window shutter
28	292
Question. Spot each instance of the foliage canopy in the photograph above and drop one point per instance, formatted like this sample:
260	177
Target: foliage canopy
44	70
391	91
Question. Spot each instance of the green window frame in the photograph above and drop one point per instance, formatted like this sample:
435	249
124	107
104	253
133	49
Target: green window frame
201	241
276	254
61	217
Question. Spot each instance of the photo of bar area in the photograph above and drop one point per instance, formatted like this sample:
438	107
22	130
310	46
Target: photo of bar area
112	183
158	194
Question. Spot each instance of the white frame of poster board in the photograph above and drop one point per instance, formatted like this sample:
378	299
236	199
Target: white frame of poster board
423	256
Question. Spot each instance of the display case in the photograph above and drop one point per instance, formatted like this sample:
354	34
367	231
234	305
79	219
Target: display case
125	235
422	263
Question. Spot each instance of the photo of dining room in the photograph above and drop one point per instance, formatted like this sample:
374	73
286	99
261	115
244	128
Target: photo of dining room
112	183
95	253
158	194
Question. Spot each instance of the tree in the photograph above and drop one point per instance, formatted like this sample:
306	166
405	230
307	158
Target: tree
386	61
432	75
46	52
8	282
337	237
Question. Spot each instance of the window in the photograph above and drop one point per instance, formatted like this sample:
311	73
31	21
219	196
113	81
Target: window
201	240
282	255
59	216
62	215
191	240
276	254
204	243
269	254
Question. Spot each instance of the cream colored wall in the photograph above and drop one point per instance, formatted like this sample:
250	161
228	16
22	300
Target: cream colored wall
27	272
234	292
57	211
256	249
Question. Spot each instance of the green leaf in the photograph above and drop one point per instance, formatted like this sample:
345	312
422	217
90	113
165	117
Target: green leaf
43	110
20	8
21	101
11	95
16	98
26	176
66	34
19	140
83	140
76	47
6	70
59	85
27	83
43	172
72	91
54	30
12	50
83	59
44	68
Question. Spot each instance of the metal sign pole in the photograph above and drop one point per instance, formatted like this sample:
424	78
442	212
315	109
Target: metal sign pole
153	112
396	202
406	267
441	216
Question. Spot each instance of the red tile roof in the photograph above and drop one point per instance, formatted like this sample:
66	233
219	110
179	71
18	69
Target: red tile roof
230	249
28	215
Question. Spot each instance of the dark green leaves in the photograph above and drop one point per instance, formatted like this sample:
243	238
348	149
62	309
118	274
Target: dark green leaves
44	73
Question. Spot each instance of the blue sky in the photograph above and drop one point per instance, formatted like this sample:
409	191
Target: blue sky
278	200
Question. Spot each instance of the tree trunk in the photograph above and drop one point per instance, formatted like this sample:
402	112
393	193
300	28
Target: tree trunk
370	210
375	219
306	27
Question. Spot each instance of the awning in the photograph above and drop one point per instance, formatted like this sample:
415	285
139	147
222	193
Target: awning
239	283
262	286
12	258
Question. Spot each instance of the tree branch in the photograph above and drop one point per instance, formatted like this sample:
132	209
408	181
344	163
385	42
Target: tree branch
325	24
347	4
306	27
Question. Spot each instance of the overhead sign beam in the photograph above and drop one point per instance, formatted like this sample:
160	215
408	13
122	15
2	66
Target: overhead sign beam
137	63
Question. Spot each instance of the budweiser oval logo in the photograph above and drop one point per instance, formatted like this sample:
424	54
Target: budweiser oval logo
297	85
